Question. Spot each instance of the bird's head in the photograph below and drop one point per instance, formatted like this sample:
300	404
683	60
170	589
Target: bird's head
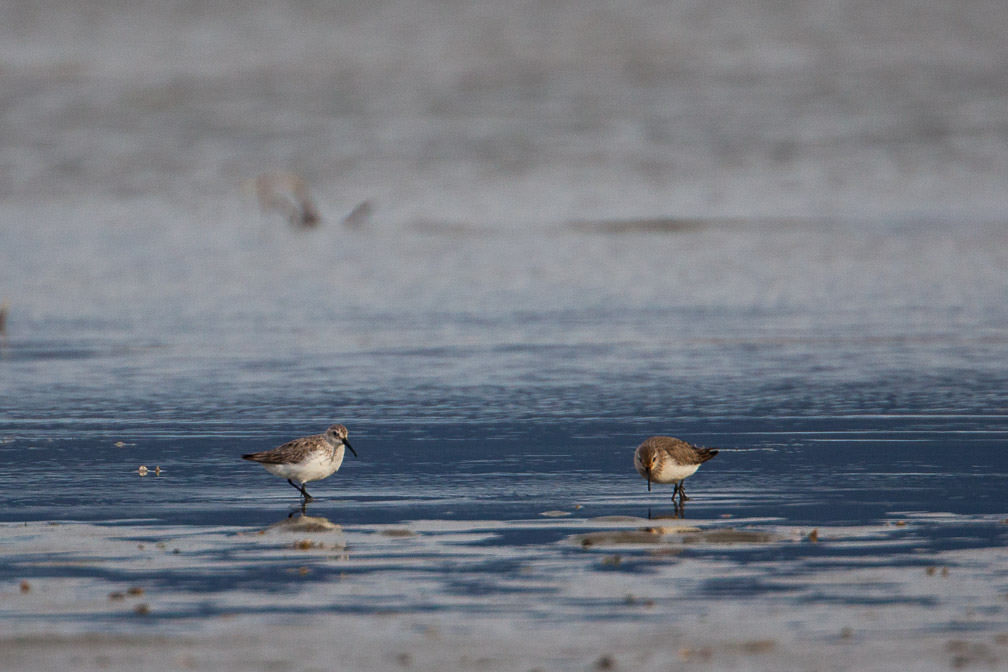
648	457
337	434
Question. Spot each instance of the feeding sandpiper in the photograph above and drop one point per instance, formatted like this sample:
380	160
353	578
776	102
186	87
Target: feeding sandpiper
310	458
664	459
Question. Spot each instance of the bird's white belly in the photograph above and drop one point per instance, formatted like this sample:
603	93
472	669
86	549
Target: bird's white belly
673	473
315	468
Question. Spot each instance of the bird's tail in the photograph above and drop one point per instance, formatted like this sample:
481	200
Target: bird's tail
706	454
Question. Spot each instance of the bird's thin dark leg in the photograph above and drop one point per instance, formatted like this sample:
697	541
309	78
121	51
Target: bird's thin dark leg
301	488
682	493
675	489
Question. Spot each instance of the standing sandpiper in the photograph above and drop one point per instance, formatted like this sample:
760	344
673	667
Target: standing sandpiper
310	458
663	459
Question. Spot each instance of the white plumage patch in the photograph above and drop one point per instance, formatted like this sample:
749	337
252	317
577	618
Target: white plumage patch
316	466
673	473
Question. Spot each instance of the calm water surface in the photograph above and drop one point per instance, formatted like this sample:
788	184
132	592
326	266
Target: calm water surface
465	406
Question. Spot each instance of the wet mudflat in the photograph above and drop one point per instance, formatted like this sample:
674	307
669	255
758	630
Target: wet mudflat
465	557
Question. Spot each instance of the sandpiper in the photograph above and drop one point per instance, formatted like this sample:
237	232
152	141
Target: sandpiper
289	194
664	459
310	458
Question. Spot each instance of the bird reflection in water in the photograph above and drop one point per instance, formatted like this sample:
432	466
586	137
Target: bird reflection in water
298	521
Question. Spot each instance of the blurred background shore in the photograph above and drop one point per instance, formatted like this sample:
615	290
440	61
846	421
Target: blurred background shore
516	114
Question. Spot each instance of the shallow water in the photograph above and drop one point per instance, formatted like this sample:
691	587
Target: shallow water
788	247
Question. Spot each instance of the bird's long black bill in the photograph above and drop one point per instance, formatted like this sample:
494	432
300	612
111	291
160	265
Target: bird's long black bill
345	443
649	482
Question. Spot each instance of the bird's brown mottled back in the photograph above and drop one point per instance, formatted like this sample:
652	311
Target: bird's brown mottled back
292	451
680	451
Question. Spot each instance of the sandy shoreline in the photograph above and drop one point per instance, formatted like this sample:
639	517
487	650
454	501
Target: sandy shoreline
608	594
381	644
